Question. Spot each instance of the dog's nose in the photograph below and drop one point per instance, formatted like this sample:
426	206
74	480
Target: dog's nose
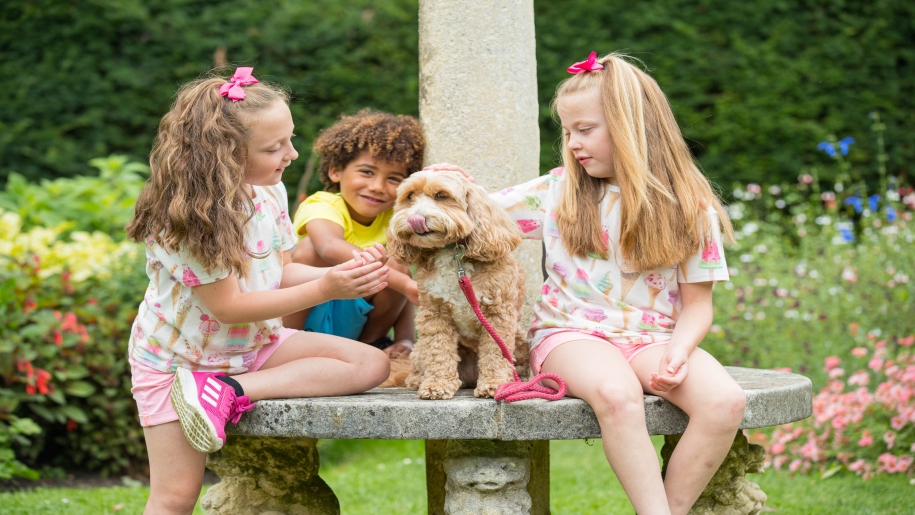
418	224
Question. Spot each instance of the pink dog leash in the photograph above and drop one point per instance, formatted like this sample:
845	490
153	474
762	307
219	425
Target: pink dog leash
516	390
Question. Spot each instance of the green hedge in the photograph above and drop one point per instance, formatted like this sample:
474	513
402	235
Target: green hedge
755	84
91	78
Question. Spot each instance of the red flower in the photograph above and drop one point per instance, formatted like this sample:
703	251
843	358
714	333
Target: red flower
58	338
71	425
41	379
29	305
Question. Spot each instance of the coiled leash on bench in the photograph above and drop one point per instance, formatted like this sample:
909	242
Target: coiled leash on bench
516	390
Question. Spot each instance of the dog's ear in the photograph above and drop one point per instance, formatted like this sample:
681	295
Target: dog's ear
494	232
403	252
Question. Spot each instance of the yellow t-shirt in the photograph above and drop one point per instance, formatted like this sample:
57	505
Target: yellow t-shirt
324	205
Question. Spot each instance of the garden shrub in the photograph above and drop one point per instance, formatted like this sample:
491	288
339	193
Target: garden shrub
87	203
862	421
67	303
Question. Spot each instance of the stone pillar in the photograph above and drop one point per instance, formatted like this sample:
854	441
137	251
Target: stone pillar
728	492
268	476
478	98
488	477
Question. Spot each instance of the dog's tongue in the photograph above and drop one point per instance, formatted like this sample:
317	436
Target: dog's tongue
418	224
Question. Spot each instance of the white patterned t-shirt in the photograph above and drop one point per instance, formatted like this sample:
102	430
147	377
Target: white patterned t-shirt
174	329
606	298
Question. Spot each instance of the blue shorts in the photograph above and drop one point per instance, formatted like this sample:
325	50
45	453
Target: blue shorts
343	317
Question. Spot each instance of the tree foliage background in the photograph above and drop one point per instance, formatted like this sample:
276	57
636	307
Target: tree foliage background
755	85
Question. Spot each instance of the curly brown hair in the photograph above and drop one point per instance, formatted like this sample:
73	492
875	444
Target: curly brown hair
196	197
390	139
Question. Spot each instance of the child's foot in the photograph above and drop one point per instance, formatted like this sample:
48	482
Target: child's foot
204	405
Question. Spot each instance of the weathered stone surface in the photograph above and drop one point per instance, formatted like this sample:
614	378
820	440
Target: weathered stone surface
728	492
268	476
478	99
395	413
475	477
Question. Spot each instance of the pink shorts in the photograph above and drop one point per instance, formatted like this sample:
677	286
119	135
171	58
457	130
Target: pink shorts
152	388
540	352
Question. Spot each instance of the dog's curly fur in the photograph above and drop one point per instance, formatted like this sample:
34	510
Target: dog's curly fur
453	346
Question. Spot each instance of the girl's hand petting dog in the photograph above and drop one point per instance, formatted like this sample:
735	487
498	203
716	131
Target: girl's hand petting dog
448	167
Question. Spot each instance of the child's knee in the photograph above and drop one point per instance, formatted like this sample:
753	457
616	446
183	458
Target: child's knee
375	366
726	408
618	401
178	497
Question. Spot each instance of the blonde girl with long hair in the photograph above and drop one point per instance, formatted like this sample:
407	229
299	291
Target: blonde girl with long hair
634	235
208	340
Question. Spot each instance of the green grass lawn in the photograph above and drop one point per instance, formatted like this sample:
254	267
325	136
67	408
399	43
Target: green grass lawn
381	477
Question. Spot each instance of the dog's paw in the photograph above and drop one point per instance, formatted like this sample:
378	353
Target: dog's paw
413	382
430	390
486	390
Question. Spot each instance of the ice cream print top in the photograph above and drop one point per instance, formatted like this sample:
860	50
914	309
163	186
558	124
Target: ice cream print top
174	329
604	297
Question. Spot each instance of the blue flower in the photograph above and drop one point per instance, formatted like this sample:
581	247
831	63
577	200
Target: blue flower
855	202
847	236
873	202
844	144
891	214
827	147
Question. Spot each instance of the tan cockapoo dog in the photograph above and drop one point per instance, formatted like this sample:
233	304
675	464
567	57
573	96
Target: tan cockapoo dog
434	213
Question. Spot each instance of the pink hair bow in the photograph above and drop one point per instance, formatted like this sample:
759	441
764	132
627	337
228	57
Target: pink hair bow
590	65
233	89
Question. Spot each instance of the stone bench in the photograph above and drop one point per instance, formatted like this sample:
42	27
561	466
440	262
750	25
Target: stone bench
481	456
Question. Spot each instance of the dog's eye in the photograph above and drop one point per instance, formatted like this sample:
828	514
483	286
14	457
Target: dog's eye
440	196
409	196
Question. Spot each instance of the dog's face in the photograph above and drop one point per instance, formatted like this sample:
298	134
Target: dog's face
435	209
431	210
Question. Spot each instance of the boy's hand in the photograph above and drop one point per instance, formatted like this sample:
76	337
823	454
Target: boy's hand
375	253
672	370
401	349
447	167
354	279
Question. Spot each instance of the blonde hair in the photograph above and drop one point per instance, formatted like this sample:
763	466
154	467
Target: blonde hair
664	195
196	197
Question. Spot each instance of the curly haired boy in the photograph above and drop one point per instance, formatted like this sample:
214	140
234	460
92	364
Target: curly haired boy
364	157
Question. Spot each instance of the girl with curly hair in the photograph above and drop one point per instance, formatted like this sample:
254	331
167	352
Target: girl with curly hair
364	157
214	220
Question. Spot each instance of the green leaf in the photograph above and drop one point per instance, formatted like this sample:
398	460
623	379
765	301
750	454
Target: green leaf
831	472
79	389
75	413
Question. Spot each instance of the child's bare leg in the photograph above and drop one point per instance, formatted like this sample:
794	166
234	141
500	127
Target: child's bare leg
316	365
175	470
715	404
391	310
599	374
388	306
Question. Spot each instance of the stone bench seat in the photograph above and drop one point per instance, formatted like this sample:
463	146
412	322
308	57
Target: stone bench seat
270	462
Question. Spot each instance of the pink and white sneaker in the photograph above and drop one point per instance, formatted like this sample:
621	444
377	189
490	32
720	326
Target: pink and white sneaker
205	405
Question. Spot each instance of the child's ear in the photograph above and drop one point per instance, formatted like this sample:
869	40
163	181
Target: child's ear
334	174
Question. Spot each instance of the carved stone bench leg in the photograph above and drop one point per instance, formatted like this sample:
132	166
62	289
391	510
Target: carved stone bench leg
487	477
268	476
729	492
